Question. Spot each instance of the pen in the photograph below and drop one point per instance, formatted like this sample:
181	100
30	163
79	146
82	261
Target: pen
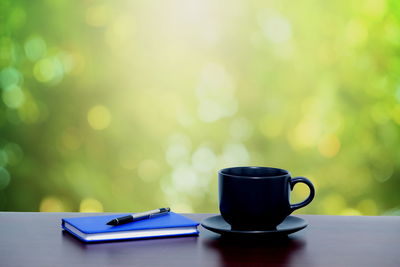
139	216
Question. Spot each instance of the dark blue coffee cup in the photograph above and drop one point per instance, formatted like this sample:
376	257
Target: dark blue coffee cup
257	198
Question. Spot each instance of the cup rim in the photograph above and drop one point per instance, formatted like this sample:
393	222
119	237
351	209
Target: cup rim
221	172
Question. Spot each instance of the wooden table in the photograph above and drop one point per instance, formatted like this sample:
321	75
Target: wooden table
36	239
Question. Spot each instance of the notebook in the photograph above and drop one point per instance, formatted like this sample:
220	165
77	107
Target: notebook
95	228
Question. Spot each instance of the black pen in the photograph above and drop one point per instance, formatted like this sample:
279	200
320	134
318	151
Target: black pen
139	216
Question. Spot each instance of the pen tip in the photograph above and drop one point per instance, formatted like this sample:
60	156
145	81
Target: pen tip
112	222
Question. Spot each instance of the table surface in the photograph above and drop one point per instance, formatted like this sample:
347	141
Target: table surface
36	239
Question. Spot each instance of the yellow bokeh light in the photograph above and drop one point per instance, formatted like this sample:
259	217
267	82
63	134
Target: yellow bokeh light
333	204
44	71
51	204
350	212
374	8
120	33
78	63
356	32
99	117
98	16
90	205
368	207
48	70
258	83
305	135
329	146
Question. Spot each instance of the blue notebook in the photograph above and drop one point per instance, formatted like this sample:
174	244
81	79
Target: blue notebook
95	228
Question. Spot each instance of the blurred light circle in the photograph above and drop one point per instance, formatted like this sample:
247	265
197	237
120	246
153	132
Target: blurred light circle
375	9
51	204
276	27
98	16
48	70
350	212
74	63
90	205
235	154
30	112
67	61
209	111
4	178
9	77
215	93
185	179
35	48
329	146
99	117
14	153
120	33
367	207
204	159
176	153
240	129
333	203
13	97
356	32
44	71
178	149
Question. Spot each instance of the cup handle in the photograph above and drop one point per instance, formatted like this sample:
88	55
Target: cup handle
310	196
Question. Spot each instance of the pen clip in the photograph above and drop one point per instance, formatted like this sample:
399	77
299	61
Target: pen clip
162	212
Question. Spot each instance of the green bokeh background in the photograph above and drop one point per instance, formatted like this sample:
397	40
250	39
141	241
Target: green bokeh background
133	105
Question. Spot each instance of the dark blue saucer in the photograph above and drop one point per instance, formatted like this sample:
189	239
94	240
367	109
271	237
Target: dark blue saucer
218	225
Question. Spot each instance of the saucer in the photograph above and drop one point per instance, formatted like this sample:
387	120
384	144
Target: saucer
290	225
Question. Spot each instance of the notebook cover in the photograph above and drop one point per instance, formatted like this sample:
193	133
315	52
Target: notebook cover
98	224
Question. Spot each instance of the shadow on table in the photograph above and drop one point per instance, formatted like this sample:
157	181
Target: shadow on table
258	251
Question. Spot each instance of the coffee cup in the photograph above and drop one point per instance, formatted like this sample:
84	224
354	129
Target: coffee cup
258	198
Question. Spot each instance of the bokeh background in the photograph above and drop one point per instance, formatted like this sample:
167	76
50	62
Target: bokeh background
134	105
